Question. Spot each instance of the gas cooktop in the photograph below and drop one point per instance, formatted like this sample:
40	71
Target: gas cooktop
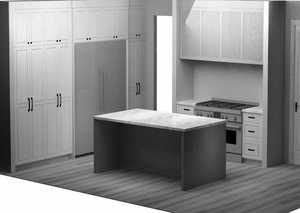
225	105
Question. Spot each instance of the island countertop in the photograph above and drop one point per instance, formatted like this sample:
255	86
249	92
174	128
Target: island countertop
162	120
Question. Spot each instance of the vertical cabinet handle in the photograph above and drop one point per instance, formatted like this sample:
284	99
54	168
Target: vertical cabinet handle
139	87
28	99
31	104
60	104
136	88
57	100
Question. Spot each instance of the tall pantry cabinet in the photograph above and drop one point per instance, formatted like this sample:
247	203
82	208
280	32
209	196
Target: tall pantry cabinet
41	79
37	47
136	55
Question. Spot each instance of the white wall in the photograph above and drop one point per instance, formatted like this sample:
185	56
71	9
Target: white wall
227	81
154	7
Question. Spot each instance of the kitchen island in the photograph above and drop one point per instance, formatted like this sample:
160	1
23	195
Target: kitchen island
189	148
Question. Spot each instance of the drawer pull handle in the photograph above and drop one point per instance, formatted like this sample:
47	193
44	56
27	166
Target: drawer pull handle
251	117
251	150
186	109
251	131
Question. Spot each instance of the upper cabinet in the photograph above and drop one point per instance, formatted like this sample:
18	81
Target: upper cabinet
222	31
100	20
39	23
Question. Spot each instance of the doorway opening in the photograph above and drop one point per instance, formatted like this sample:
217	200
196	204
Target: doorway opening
163	64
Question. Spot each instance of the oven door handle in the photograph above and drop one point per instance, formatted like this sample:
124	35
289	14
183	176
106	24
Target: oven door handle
234	127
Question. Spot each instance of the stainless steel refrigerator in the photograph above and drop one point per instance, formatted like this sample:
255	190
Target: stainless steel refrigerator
100	86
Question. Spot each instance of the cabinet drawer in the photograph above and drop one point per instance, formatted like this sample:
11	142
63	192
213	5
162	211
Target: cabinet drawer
252	118
188	110
252	131
252	150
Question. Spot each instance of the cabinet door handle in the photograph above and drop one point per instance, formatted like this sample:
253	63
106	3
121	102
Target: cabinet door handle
139	84
60	104
57	100
251	117
31	104
186	109
251	131
251	150
28	99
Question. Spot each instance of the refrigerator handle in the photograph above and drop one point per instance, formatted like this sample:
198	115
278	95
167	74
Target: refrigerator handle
31	104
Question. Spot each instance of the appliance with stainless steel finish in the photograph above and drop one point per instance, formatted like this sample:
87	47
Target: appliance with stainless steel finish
232	112
100	86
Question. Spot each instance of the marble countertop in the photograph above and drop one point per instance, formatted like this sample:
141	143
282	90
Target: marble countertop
256	110
191	102
162	120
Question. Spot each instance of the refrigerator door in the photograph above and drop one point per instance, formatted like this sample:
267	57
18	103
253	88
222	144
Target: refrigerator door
100	86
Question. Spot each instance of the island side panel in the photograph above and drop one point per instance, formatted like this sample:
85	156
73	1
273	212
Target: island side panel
150	150
203	156
106	146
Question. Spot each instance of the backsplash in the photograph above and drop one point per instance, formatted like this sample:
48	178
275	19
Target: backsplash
228	81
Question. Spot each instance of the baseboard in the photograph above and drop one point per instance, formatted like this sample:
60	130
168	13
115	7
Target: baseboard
43	162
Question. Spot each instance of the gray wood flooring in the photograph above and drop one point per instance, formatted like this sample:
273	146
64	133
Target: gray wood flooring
247	188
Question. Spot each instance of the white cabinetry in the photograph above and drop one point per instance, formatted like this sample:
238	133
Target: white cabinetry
184	109
223	31
137	23
42	66
136	74
94	21
252	135
59	123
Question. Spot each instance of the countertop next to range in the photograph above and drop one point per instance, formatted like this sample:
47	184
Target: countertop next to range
162	120
255	110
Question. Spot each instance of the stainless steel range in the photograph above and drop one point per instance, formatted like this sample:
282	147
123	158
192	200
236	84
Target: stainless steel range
232	112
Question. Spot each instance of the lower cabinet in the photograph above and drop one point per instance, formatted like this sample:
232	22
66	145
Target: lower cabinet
136	74
252	136
43	131
59	129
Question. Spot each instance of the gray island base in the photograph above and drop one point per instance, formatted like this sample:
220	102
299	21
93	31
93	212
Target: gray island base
188	148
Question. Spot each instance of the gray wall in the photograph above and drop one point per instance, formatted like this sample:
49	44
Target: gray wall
5	144
292	12
275	145
153	8
228	81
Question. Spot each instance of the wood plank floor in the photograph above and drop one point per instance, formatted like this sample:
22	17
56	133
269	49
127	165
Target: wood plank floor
247	188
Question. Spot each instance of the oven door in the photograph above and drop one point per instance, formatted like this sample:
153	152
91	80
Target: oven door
234	138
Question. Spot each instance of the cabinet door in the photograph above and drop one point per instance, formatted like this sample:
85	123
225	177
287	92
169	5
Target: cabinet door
137	3
64	128
140	63
37	28
210	45
21	27
253	36
51	135
191	36
136	23
102	27
39	132
121	23
23	75
37	70
81	25
24	135
231	35
136	73
58	26
64	77
140	73
51	65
